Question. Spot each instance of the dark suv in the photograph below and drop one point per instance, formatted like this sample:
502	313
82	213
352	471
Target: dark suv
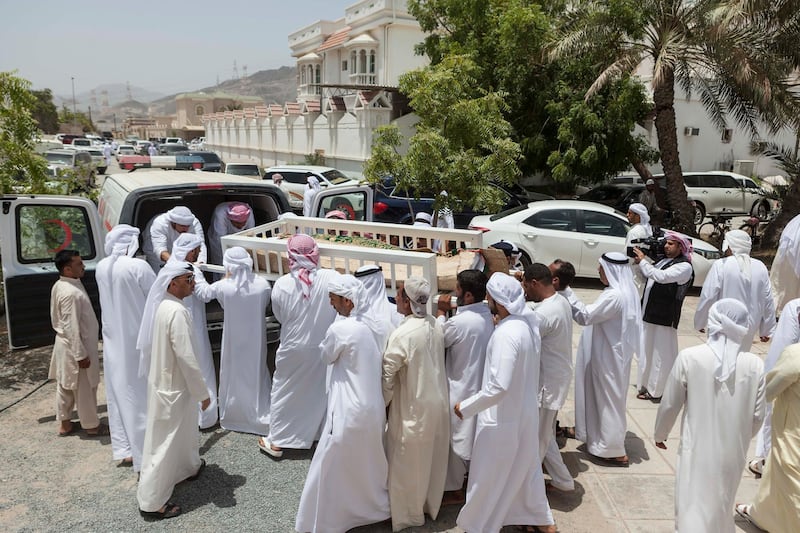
211	161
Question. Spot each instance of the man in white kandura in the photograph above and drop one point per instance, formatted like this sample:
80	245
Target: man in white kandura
555	367
383	313
785	270
244	382
641	229
312	188
466	335
123	282
300	302
739	276
720	389
350	461
603	363
162	230
187	249
174	386
506	484
228	218
415	389
667	283
787	332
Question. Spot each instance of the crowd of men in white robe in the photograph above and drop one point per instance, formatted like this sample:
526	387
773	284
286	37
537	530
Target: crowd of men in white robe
406	406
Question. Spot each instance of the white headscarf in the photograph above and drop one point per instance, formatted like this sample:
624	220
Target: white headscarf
641	210
418	291
727	326
122	240
619	275
313	182
239	265
740	244
790	243
371	276
508	292
180	215
170	271
423	219
185	243
349	287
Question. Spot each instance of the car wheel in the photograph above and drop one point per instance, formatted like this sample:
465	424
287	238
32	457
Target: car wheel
344	205
699	213
760	210
523	261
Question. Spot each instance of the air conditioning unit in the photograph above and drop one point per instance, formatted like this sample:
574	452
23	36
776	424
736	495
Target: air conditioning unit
691	132
744	167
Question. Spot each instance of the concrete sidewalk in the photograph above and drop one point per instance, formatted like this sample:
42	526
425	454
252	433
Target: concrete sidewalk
639	498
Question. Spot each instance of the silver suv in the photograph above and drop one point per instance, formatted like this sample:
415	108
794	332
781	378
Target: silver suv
294	180
718	191
79	160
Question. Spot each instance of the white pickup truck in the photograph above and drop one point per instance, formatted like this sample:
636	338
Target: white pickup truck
34	228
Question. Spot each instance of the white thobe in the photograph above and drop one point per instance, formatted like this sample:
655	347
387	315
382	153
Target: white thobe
466	335
418	433
350	461
196	304
244	382
123	283
725	280
220	226
555	375
660	342
785	271
506	484
718	421
602	374
174	386
299	398
159	236
308	201
787	332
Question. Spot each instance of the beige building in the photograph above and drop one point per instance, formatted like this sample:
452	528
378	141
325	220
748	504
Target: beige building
191	107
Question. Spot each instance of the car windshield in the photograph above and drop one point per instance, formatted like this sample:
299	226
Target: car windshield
335	177
61	159
503	214
603	193
242	170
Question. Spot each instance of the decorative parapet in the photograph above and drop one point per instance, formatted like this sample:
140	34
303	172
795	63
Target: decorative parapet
249	112
311	106
262	111
275	110
292	108
238	113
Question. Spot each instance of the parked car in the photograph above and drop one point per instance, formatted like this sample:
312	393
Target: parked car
173	140
81	142
294	180
575	231
617	195
98	159
171	149
142	147
79	160
243	168
124	149
726	192
392	204
211	161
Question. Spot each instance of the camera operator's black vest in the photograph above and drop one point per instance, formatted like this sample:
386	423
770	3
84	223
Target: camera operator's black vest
666	299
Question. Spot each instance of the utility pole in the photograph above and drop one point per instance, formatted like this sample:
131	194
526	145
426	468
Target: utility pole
74	112
115	123
90	117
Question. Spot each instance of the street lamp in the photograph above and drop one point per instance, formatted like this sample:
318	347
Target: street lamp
74	112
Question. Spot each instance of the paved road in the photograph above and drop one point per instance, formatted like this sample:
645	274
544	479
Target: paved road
49	483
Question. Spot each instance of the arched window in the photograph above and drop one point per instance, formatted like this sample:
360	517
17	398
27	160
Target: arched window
303	76
371	68
353	61
317	75
199	110
362	62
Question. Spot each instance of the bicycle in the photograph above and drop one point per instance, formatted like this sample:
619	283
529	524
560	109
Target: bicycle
755	227
714	230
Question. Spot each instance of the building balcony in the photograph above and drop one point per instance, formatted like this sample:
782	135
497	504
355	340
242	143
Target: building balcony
362	79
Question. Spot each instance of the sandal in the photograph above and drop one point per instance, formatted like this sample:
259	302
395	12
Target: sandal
623	461
99	431
743	510
644	395
566	432
199	471
72	429
756	466
170	511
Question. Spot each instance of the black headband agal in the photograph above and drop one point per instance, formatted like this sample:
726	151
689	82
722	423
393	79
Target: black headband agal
368	271
623	261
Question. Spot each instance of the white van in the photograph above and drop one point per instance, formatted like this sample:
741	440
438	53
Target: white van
33	228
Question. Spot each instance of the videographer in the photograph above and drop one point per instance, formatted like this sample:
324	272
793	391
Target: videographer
640	231
667	282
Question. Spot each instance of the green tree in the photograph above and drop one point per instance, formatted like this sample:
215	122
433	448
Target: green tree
737	56
560	133
788	160
461	143
20	167
79	118
44	111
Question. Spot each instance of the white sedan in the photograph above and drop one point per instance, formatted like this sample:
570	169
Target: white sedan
574	231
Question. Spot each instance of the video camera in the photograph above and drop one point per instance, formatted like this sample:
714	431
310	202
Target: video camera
653	247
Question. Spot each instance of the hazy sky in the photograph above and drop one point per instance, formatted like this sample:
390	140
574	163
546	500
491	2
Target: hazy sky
164	46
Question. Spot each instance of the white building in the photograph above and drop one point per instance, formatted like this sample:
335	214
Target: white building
347	74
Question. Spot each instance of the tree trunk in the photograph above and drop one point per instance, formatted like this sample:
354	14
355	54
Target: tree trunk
666	130
641	169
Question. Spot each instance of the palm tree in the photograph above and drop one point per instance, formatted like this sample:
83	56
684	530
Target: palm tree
788	160
736	55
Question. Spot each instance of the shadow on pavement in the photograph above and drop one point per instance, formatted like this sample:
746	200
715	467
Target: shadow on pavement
214	486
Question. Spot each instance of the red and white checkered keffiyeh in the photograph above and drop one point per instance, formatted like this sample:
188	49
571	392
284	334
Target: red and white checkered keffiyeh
303	260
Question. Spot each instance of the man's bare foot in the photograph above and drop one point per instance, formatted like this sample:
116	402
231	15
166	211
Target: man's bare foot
454	497
67	428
